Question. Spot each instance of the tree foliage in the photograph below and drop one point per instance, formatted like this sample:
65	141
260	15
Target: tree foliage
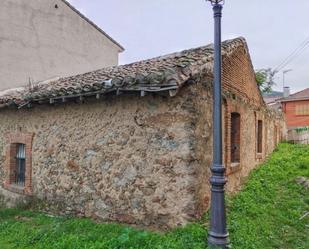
265	79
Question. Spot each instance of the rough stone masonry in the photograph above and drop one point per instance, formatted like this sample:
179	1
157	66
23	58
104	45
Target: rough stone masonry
135	159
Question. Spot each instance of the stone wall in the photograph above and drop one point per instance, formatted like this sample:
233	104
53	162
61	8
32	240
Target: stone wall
124	158
136	160
299	135
273	129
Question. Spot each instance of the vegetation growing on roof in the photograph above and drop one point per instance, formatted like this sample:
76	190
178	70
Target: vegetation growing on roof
265	79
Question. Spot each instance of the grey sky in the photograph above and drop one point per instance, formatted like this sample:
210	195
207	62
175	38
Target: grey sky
146	29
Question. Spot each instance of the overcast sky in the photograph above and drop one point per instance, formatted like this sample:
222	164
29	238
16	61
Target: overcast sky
145	28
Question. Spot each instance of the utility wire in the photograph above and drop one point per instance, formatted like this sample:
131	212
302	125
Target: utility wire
299	52
296	52
300	48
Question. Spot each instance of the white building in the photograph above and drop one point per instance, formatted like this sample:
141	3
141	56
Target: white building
44	39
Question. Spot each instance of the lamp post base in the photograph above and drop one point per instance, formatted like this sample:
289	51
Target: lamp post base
218	240
217	235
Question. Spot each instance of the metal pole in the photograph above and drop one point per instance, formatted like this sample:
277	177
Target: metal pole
283	76
218	235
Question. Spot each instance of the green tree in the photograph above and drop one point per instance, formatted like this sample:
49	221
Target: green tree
265	79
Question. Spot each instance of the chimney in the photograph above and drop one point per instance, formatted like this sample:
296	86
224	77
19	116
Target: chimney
286	91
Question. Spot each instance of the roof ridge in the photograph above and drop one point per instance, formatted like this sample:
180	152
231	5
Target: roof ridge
306	89
236	41
301	95
93	24
164	73
225	45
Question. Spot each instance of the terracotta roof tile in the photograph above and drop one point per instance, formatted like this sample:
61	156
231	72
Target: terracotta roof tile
304	94
165	73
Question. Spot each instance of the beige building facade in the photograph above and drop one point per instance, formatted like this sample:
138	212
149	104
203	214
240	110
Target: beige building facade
45	39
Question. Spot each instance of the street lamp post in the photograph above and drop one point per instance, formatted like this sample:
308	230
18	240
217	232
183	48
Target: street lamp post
217	235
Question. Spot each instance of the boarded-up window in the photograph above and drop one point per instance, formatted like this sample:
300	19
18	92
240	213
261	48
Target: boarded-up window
275	135
302	109
259	136
235	137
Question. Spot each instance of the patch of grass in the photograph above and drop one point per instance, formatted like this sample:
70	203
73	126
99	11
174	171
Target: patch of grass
265	214
35	230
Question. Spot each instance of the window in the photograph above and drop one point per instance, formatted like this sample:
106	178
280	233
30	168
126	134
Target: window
275	135
259	136
302	109
20	166
235	137
18	173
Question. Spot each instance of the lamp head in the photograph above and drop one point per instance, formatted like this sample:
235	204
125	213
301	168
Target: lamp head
286	71
215	2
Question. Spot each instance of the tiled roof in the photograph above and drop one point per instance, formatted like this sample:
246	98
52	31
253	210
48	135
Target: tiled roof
269	100
93	24
304	94
166	73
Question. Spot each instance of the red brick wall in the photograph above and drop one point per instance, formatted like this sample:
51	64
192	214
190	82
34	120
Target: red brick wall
238	77
293	120
241	91
231	107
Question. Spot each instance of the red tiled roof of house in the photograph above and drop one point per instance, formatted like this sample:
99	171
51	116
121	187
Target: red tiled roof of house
304	94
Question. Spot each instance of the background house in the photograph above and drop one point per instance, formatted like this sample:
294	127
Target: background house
44	39
133	143
271	99
296	109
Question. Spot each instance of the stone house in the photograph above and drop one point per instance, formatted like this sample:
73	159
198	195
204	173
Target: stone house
133	143
45	39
